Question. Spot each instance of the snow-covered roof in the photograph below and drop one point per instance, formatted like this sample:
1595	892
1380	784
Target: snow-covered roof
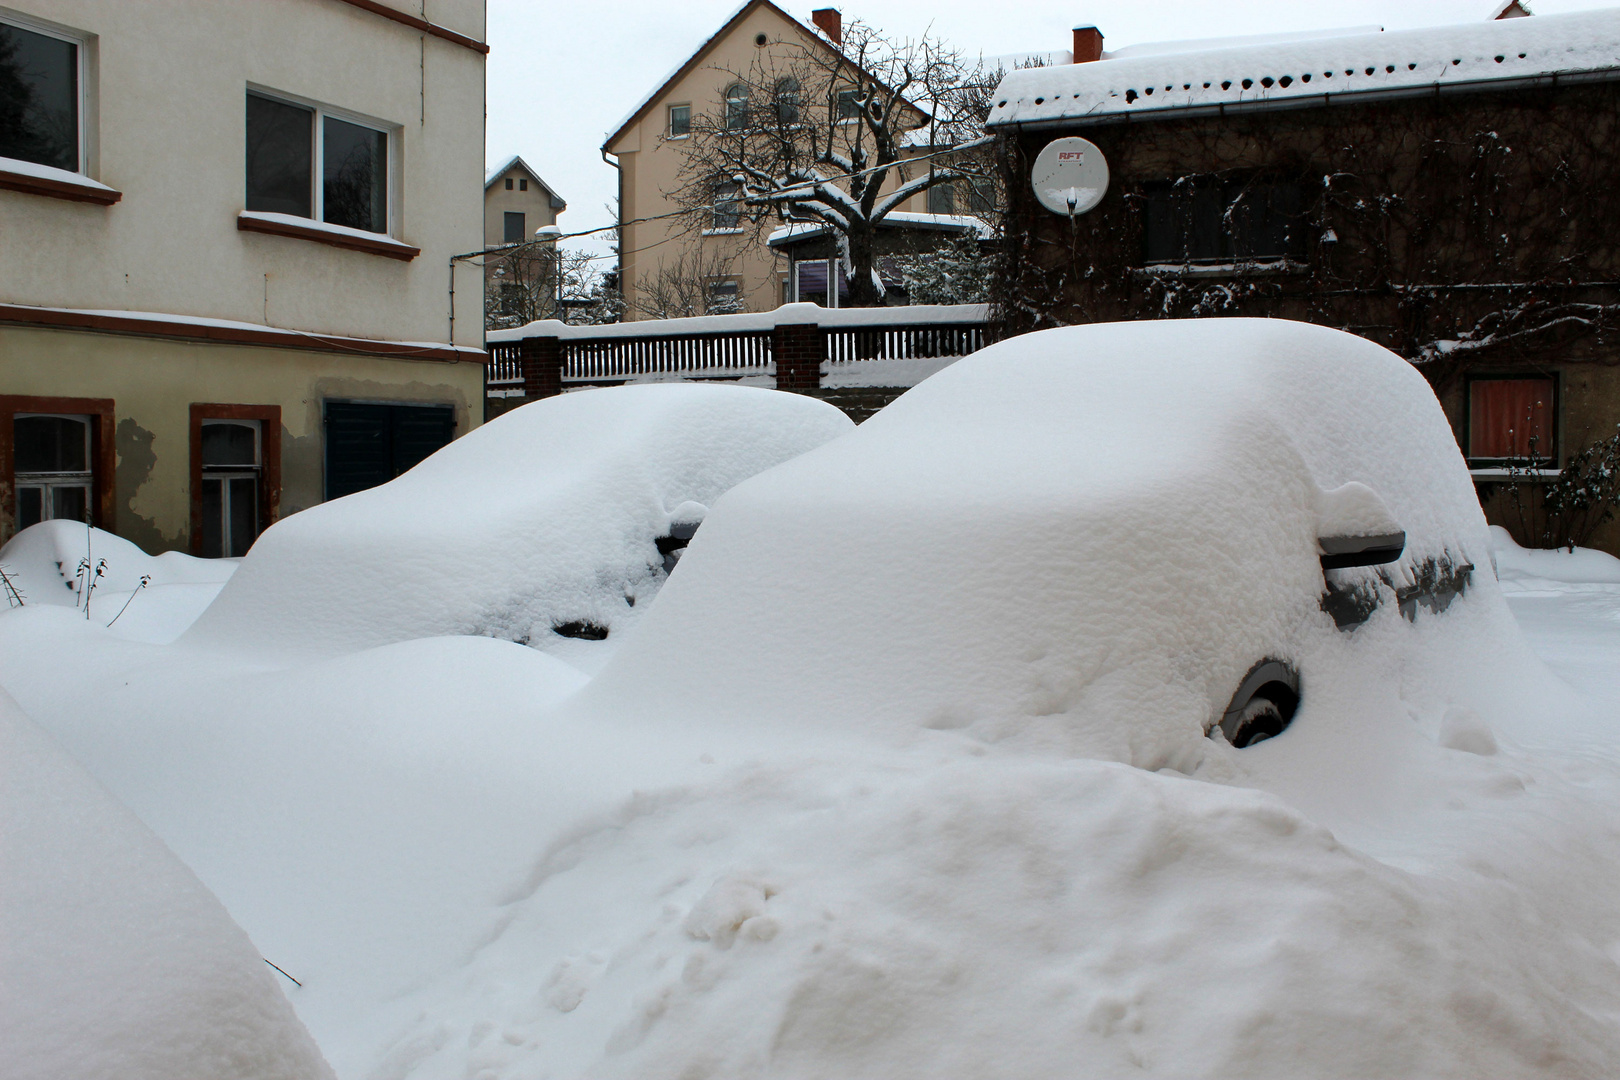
557	201
799	230
697	56
1539	50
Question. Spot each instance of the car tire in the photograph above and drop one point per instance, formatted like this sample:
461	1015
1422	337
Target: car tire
1263	706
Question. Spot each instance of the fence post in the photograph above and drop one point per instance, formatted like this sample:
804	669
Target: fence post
541	360
798	349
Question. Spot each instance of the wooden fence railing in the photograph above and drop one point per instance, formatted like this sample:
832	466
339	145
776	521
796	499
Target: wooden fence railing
798	344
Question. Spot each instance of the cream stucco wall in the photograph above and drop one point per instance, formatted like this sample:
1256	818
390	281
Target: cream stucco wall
534	204
650	166
154	382
167	123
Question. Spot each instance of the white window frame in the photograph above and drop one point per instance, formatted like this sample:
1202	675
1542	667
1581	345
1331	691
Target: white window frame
669	120
227	473
318	161
81	41
85	478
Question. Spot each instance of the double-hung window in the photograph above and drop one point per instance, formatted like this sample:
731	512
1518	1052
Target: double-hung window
40	95
305	162
232	467
52	468
728	205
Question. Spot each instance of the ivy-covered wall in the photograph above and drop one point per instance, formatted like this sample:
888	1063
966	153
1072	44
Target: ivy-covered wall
1472	233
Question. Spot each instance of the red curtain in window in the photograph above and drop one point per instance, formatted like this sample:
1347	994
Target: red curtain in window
1505	414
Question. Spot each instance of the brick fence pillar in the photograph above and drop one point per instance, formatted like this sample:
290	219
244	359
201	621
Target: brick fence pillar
542	361
799	349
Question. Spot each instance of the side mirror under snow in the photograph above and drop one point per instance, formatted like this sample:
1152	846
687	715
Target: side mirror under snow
1355	528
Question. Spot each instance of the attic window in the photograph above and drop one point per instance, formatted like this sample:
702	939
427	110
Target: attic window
508	183
523	184
760	40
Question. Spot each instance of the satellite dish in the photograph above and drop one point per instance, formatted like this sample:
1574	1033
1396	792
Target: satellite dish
1070	176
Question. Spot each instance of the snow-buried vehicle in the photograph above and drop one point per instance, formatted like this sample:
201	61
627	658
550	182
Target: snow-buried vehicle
1182	525
554	519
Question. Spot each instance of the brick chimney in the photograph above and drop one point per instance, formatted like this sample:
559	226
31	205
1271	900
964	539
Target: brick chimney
829	22
1087	44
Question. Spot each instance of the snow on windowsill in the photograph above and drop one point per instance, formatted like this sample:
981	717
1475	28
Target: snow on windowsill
49	177
723	232
1196	271
338	233
1498	472
292	334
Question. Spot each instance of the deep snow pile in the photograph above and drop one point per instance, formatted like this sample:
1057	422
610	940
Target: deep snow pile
115	961
143	597
904	771
1082	538
544	518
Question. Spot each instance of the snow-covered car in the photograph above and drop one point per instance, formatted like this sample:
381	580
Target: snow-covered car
1122	537
551	523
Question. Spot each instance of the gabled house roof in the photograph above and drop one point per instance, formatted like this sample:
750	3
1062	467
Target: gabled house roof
692	62
558	203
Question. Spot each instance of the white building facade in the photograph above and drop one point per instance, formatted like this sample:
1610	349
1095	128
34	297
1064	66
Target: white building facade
226	240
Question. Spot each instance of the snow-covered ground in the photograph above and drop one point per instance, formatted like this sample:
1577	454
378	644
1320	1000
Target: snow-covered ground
486	860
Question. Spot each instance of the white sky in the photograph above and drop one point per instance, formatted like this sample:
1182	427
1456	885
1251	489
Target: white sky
562	73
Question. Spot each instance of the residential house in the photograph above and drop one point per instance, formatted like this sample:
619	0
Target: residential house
226	230
520	285
1445	192
740	269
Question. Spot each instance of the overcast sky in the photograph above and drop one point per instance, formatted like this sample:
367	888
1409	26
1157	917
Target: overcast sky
563	73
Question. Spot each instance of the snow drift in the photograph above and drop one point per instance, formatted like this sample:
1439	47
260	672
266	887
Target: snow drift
116	962
547	517
1083	538
145	597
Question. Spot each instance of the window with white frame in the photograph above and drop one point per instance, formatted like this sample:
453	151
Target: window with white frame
41	96
725	296
680	121
728	205
306	162
51	464
736	107
231	477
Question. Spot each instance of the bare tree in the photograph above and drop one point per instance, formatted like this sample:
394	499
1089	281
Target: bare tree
840	136
540	280
696	282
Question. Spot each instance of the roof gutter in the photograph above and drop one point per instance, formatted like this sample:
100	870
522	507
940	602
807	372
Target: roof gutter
1312	101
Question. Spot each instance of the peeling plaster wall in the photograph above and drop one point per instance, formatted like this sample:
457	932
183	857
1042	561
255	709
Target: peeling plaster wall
153	383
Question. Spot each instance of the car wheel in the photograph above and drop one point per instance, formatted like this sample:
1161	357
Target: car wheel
1263	706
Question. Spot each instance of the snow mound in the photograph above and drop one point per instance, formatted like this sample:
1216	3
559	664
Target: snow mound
545	519
1001	916
1083	537
44	561
1525	566
116	962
